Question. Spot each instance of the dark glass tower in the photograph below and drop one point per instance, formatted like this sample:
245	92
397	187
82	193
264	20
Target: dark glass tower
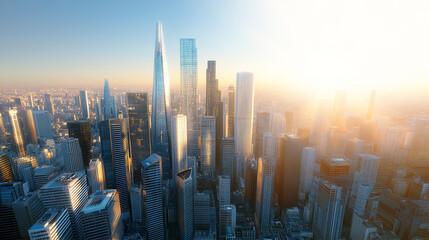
82	131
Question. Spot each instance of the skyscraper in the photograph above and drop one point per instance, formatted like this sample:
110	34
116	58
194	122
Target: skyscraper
308	159
337	117
264	192
29	129
262	127
49	105
84	108
228	157
2	130
138	115
179	142
227	219
54	224
185	203
288	171
136	197
18	137
6	172
101	216
27	209
82	131
30	101
189	81
153	205
9	192
244	114
224	190
231	111
113	108
251	181
371	106
208	144
418	157
161	105
42	121
70	191
212	92
116	157
72	154
107	105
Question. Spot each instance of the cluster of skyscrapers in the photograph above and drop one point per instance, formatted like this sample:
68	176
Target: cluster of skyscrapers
95	165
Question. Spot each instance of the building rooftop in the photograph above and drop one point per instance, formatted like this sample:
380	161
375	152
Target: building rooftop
44	170
64	179
99	201
185	174
50	216
152	159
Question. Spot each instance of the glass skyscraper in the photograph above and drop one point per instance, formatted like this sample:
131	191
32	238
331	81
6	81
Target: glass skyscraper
161	104
84	108
189	80
107	107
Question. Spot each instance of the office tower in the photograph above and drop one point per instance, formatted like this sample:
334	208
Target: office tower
269	146
138	117
82	131
161	105
6	172
264	192
101	216
2	130
115	152
18	137
337	117
231	111
228	157
336	141
42	121
413	220
188	83
223	190
219	136
389	140
107	111
328	211
308	160
318	134
262	126
185	203
191	163
96	179
212	91
30	101
54	224
19	163
28	127
289	121
153	205
208	144
227	219
204	211
136	197
362	197
27	211
419	153
9	192
69	191
244	114
277	122
72	155
98	113
179	142
28	177
251	181
370	111
44	174
49	105
84	108
288	171
113	110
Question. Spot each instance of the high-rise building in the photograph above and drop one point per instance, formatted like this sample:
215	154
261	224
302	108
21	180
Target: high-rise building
185	203
179	142
161	104
27	210
82	131
18	136
28	127
262	127
107	111
115	151
231	111
136	197
42	121
44	174
337	117
413	219
208	144
264	192
227	219
19	163
138	115
212	91
9	192
244	114
153	205
30	101
223	190
113	108
419	152
251	181
69	191
308	160
2	130
228	157
101	216
288	171
96	179
54	224
6	171
72	155
204	211
49	105
189	81
84	108
371	106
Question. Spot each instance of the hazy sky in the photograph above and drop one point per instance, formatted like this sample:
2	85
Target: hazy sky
299	46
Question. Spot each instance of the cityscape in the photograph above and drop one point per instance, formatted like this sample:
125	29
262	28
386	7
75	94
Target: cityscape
187	154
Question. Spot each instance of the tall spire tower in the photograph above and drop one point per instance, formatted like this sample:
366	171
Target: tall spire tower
107	107
161	104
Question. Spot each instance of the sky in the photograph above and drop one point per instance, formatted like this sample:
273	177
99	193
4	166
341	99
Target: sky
292	47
